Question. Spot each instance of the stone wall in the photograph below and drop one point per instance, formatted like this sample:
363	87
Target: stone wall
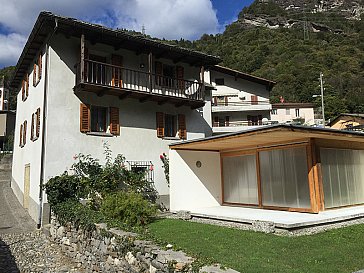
113	250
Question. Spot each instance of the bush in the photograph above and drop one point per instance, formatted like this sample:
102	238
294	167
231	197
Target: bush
64	188
129	207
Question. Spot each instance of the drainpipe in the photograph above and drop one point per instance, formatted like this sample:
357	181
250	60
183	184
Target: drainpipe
41	182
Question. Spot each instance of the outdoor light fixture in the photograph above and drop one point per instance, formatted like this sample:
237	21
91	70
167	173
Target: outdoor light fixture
142	65
198	164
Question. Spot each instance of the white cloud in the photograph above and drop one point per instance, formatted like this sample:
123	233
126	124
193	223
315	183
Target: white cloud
170	19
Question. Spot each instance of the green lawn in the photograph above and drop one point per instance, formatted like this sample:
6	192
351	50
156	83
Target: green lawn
340	250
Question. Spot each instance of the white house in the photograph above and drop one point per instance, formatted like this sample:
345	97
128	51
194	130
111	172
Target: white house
4	97
239	101
80	85
302	113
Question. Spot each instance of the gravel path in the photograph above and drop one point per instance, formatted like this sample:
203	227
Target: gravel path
32	252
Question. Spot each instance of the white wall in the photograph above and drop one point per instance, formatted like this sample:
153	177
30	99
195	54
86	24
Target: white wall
31	152
192	187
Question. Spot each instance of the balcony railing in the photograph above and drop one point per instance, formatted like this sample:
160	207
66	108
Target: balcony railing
120	78
242	123
240	103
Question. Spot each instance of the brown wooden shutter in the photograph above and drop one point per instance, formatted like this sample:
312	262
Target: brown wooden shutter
35	75
254	99
23	90
32	128
180	71
160	124
27	86
85	118
117	71
159	73
114	121
25	132
21	135
215	101
38	123
182	131
40	66
226	101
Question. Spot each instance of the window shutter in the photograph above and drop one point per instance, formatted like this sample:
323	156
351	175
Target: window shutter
40	66
35	75
226	101
180	76
159	73
38	123
160	124
254	99
215	101
32	129
114	121
117	71
27	86
182	132
25	133
21	135
84	118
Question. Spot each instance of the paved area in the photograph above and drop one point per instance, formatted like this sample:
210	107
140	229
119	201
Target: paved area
282	219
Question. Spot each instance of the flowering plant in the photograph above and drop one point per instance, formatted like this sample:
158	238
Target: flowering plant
165	160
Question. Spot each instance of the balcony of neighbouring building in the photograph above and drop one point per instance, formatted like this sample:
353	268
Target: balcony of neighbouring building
226	126
228	106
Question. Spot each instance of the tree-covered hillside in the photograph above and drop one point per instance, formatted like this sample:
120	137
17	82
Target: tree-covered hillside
284	55
7	73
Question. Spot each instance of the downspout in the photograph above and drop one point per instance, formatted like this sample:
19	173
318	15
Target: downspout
41	182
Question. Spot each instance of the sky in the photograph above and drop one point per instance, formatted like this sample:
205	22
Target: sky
170	19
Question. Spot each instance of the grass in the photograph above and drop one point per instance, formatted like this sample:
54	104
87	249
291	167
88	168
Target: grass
340	250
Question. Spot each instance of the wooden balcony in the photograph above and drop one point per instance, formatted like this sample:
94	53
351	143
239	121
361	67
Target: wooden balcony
228	106
106	79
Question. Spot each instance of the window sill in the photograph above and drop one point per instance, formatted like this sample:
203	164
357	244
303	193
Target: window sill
99	134
171	138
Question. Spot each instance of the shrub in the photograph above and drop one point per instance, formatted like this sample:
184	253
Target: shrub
129	207
63	188
165	161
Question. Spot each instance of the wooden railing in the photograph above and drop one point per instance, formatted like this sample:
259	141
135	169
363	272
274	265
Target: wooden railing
107	75
242	123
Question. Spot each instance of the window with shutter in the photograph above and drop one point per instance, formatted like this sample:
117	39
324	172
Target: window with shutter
159	73
37	123
23	90
117	62
40	66
254	100
27	86
32	128
25	133
21	136
180	77
114	121
160	124
35	79
84	118
182	131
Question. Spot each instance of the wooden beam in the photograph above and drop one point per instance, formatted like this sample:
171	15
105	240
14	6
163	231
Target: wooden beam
311	178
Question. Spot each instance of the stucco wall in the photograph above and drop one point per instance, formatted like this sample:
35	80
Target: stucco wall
192	187
31	152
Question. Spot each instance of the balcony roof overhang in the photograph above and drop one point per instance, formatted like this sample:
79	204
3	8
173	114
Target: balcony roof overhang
271	135
47	22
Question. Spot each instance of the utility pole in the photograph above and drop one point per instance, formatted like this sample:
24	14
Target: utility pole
143	30
322	97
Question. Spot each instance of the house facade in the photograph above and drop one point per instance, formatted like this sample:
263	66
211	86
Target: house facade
82	85
239	101
301	113
350	122
4	97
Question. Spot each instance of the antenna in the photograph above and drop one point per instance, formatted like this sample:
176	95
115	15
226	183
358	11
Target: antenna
143	29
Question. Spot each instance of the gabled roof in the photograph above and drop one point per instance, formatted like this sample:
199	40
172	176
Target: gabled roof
360	116
242	75
47	22
261	136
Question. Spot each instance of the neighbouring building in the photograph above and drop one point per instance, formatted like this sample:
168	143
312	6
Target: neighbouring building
299	113
81	85
278	167
239	101
7	125
4	96
350	122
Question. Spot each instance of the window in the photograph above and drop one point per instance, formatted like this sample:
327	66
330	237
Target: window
95	119
171	125
166	75
25	88
220	81
288	111
297	112
255	120
35	126
254	100
37	71
23	134
274	112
